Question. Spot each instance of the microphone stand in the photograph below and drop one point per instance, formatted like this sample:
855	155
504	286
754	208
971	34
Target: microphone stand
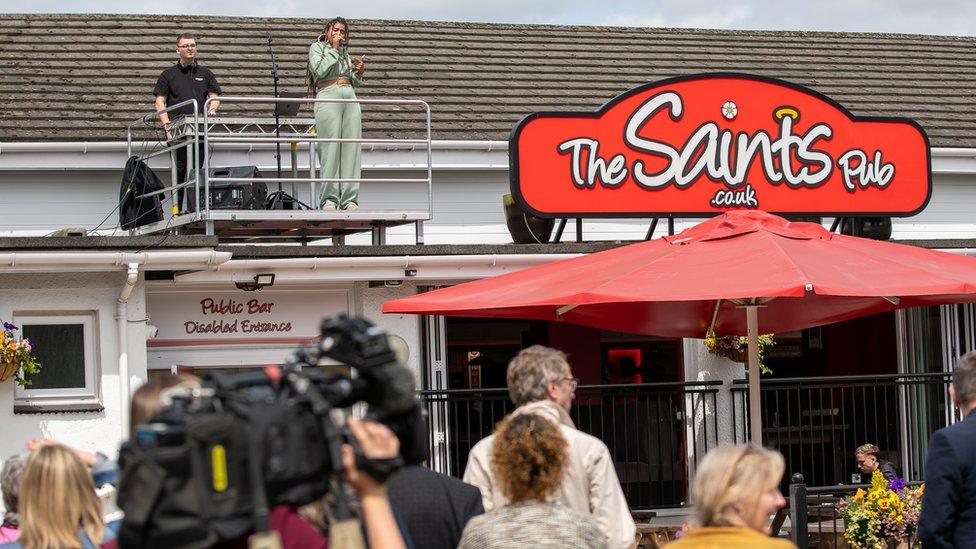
277	115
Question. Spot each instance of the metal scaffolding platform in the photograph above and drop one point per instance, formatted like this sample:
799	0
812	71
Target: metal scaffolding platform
303	223
288	225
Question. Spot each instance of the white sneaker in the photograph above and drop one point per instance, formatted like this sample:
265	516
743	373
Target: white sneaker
329	207
351	207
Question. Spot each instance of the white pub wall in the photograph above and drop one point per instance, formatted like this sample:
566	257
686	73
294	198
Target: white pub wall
91	431
467	207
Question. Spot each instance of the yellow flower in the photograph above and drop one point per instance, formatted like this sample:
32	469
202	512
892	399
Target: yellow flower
12	345
859	495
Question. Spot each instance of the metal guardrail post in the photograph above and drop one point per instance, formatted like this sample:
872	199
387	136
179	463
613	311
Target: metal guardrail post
799	530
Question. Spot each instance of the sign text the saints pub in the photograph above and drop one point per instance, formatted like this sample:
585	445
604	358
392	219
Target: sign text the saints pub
703	145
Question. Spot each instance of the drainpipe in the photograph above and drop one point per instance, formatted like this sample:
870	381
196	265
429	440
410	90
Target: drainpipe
122	320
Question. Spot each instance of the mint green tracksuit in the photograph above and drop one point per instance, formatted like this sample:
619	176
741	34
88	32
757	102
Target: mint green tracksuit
337	120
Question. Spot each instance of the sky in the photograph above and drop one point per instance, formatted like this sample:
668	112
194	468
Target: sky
945	17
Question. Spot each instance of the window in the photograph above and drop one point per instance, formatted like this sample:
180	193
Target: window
66	345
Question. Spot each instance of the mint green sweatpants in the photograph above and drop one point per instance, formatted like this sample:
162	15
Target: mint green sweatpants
339	160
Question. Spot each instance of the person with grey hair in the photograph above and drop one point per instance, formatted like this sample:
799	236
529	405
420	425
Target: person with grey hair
948	516
10	486
541	382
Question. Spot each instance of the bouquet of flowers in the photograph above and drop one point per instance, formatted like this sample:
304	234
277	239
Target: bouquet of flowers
736	347
889	511
16	359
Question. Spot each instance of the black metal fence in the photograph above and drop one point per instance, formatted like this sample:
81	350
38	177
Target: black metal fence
815	520
658	432
816	423
655	431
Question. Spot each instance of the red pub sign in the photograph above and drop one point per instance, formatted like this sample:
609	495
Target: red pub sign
705	144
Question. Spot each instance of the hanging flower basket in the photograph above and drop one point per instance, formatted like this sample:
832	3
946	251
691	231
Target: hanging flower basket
739	355
736	348
16	356
7	370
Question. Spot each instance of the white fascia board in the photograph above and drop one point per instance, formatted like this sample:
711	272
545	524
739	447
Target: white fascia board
954	161
446	155
960	251
351	269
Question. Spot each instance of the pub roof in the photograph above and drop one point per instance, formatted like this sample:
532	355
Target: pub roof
83	77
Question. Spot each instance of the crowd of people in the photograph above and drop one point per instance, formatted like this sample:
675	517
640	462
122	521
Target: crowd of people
537	481
332	74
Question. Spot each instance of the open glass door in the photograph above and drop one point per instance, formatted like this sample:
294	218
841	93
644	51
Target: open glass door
434	393
928	340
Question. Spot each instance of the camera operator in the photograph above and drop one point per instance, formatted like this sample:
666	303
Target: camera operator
377	442
382	530
233	462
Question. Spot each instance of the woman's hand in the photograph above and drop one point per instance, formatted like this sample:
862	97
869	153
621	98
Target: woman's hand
377	442
359	65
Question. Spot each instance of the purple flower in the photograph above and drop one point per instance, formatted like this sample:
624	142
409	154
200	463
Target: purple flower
9	326
897	484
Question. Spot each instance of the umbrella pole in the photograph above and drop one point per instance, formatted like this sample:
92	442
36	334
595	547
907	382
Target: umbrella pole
755	412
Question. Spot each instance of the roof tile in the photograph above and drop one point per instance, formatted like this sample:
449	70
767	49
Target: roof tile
85	76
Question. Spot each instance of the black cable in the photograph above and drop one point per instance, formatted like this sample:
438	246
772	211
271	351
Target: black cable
161	240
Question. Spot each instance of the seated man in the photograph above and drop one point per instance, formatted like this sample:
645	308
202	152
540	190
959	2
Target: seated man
869	461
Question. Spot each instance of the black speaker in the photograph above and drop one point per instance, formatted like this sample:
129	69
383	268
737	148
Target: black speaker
236	195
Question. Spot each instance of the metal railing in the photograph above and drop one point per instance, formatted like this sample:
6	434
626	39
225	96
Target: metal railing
817	423
656	432
230	137
190	142
218	132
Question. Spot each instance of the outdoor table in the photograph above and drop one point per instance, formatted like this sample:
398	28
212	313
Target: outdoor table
653	536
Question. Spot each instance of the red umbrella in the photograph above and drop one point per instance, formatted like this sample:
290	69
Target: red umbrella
799	274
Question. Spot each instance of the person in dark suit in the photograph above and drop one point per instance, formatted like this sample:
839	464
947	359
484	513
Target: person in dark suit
434	507
949	505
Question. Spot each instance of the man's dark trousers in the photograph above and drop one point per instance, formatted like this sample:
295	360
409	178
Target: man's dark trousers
183	172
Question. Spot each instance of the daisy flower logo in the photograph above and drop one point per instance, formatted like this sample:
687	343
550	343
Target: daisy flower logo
729	110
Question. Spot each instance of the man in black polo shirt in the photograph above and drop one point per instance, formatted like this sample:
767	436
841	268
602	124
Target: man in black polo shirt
185	80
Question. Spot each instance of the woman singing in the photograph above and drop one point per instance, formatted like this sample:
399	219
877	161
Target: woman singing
332	74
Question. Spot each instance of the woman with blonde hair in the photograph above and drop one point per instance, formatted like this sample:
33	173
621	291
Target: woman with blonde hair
58	507
735	491
528	459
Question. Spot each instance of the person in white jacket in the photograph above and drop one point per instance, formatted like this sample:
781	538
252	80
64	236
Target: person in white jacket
540	381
